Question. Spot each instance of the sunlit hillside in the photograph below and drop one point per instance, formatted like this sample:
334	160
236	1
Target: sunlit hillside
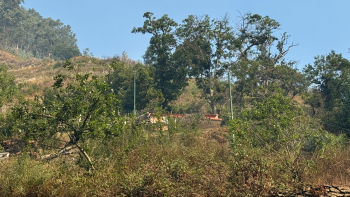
217	107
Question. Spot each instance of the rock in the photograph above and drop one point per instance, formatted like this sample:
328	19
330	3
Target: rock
334	194
344	189
333	189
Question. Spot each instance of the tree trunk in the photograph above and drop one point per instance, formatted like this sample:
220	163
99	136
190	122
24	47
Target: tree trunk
212	106
86	156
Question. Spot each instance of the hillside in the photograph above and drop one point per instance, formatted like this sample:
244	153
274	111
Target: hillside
8	58
38	74
217	107
184	159
28	34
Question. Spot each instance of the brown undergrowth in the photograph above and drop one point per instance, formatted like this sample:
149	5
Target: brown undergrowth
331	168
198	167
191	164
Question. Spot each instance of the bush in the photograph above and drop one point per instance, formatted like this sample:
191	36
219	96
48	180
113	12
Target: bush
23	176
275	131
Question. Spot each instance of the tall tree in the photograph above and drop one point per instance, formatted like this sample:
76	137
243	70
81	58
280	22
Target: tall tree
121	79
257	63
169	77
330	75
206	49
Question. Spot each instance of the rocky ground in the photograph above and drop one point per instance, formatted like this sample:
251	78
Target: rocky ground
323	191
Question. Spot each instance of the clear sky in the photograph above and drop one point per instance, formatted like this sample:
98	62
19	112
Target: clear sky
104	26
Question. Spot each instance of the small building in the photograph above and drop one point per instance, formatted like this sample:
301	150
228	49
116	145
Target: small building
210	120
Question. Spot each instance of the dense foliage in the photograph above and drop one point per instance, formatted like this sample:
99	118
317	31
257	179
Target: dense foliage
8	88
28	34
208	49
329	76
122	82
80	107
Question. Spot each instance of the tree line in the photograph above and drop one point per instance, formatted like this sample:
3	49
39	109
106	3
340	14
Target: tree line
208	50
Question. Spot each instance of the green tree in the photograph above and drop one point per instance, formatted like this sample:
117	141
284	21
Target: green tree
274	129
8	92
258	64
81	107
122	82
63	51
169	77
329	74
87	53
10	14
206	49
330	77
8	88
269	122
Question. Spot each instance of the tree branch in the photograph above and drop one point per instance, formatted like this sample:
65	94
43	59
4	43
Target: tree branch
55	155
282	53
86	156
89	113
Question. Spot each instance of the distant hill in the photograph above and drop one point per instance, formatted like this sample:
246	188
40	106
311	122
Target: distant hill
28	34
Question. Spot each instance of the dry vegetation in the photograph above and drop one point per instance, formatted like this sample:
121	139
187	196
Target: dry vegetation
145	161
191	164
35	75
183	167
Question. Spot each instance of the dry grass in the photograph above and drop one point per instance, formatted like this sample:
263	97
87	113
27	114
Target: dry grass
8	58
42	73
190	165
331	168
182	168
298	99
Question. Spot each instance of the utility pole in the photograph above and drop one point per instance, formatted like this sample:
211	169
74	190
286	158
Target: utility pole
229	82
135	93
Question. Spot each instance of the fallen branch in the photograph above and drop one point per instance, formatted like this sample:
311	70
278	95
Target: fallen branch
70	152
65	151
55	155
4	155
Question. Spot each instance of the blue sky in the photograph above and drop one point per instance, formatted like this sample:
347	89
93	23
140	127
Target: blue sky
104	26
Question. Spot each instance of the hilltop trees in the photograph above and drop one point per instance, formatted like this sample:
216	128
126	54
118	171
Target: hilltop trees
330	75
258	64
27	33
206	49
121	80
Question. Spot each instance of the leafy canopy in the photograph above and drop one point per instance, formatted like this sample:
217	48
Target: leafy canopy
81	107
169	77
